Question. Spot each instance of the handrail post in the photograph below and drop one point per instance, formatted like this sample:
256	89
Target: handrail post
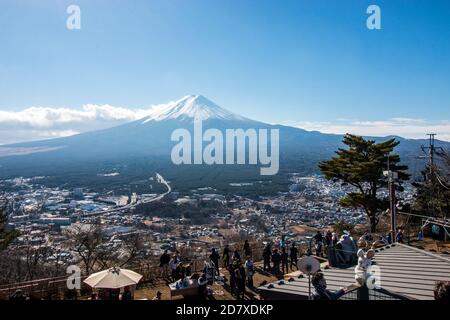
363	293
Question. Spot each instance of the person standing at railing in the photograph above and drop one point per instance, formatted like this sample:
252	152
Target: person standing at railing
247	249
232	270
179	271
319	243
210	271
420	235
173	264
328	238
164	261
334	239
226	256
240	281
249	269
399	236
284	261
236	256
294	256
214	257
283	242
389	238
188	270
114	294
318	237
267	254
348	248
276	259
202	286
319	246
127	295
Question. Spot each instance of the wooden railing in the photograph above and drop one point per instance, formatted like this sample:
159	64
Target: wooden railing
56	287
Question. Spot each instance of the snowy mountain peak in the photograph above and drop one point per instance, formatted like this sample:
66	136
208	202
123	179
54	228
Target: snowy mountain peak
190	107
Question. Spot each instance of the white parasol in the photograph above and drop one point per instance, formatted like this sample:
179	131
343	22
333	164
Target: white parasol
113	278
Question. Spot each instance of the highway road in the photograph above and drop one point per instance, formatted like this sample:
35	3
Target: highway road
159	179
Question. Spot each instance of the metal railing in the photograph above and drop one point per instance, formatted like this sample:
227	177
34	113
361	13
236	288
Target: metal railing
364	293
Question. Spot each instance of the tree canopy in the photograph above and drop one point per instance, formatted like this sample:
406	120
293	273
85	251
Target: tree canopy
433	193
5	236
361	165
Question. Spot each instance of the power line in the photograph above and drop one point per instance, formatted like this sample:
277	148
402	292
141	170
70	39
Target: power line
439	179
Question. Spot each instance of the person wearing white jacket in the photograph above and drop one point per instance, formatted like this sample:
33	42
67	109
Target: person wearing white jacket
249	269
202	286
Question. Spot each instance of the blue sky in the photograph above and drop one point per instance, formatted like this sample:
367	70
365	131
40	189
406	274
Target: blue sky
308	63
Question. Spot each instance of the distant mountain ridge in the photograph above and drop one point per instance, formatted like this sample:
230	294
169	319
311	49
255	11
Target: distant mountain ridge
148	141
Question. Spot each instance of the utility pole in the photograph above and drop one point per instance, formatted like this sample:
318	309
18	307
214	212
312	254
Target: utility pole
429	151
392	176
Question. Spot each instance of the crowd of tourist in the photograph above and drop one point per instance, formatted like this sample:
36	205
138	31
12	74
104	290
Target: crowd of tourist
284	257
278	259
173	266
236	268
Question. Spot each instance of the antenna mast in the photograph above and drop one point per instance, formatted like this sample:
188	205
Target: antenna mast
431	173
430	151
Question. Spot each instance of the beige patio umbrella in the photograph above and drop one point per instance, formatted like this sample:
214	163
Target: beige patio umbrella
113	278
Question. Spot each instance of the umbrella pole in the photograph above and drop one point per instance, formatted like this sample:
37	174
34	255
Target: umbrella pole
309	286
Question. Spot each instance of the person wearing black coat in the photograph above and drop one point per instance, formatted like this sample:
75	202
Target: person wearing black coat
226	256
267	254
294	256
214	257
247	249
240	281
276	259
164	264
284	261
236	256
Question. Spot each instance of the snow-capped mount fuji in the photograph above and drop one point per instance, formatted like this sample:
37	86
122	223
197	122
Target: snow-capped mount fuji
137	148
191	107
145	145
149	136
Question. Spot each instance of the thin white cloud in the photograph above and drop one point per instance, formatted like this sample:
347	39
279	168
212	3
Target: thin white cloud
404	127
44	117
38	123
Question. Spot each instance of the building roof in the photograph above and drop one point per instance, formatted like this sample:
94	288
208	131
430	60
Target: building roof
406	272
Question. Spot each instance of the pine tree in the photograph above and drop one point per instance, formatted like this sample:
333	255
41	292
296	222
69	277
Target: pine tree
361	165
5	236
